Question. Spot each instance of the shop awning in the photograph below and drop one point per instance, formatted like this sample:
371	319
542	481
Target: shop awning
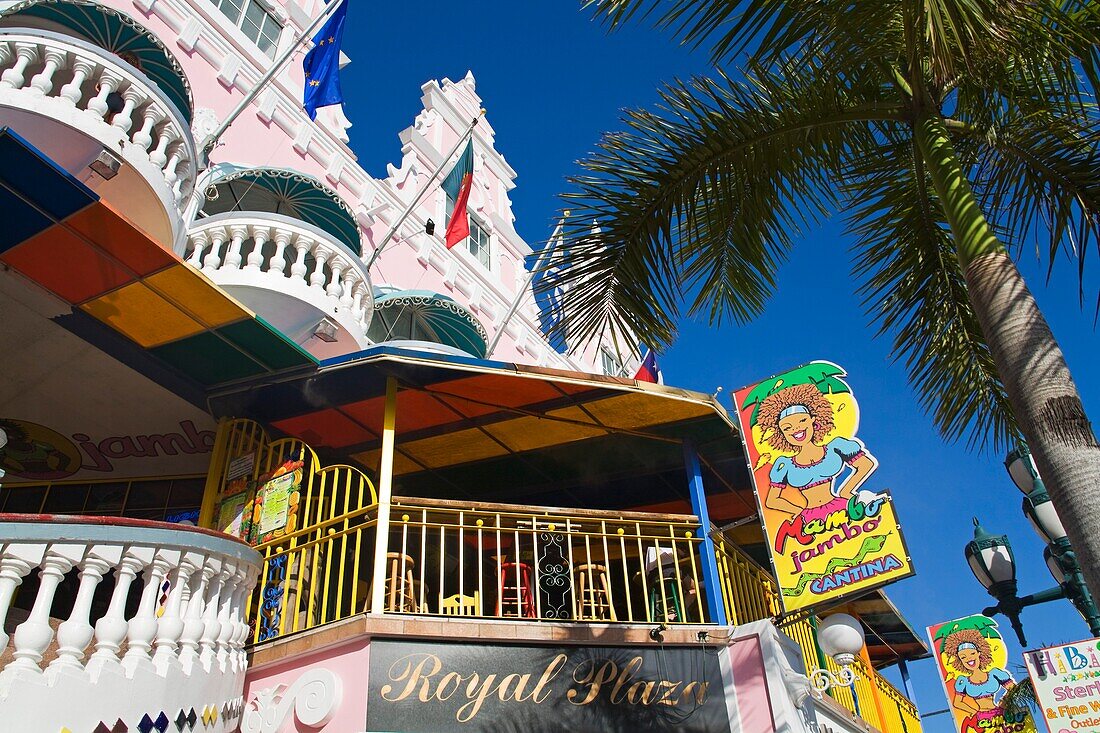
60	235
282	191
421	315
117	32
506	432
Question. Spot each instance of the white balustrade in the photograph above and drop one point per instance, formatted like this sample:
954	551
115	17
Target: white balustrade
199	639
132	114
276	252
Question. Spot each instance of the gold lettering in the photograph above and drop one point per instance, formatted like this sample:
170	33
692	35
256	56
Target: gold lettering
595	679
628	672
520	682
539	693
477	698
669	690
700	690
449	678
639	693
411	674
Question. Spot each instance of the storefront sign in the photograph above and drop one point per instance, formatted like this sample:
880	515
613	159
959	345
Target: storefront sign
830	531
972	661
1067	685
429	686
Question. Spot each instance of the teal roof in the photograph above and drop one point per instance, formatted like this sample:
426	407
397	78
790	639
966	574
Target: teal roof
115	31
423	315
282	191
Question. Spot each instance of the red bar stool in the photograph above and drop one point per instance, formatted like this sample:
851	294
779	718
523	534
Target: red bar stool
514	591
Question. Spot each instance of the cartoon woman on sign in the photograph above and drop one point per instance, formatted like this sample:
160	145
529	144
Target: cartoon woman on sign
980	684
797	420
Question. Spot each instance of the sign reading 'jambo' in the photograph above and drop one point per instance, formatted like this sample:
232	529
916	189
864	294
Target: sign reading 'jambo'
422	686
830	533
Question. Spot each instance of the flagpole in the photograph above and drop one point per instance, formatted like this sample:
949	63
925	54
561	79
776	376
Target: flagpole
409	209
211	140
521	295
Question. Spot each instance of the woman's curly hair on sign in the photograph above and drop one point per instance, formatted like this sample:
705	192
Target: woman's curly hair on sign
806	395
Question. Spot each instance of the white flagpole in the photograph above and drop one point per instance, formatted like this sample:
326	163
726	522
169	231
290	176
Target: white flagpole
211	140
522	294
409	209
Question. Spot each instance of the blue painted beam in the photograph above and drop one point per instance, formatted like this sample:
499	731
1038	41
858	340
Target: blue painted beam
716	610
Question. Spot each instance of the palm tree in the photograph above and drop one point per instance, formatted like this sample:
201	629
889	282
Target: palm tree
947	131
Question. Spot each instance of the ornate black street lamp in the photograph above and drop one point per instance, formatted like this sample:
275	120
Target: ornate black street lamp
991	560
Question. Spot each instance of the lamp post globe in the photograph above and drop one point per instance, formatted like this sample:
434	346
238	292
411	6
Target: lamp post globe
841	637
1044	519
1021	468
990	559
1054	566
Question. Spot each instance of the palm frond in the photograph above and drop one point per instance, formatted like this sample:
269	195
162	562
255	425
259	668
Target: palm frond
701	199
913	289
1039	179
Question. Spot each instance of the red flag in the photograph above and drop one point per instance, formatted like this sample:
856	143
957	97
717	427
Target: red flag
649	371
457	185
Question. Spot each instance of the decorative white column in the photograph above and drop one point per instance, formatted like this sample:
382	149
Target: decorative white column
73	91
108	82
16	562
75	633
192	619
14	77
143	626
42	83
256	256
111	628
170	625
214	260
35	634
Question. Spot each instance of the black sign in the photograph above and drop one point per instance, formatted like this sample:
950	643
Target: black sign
423	687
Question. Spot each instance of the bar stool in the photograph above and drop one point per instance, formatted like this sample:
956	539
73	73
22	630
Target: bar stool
401	588
593	597
666	605
514	591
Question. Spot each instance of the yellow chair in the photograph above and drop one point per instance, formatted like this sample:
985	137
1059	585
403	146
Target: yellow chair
460	605
593	594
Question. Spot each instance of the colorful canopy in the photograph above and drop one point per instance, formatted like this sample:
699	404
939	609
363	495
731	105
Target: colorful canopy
61	236
282	191
118	33
506	432
421	315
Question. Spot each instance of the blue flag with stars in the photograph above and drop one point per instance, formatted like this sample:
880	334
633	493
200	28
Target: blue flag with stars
322	63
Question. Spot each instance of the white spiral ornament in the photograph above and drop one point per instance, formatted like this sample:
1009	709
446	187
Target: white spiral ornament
314	697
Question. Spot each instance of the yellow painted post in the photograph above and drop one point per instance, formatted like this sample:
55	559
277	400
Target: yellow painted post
873	681
214	474
385	491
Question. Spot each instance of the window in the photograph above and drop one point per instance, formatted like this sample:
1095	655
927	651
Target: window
612	365
254	21
478	241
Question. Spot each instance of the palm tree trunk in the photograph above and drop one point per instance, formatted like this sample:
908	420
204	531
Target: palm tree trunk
1044	398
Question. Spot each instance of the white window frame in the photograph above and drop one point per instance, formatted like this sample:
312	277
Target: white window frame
485	236
606	358
270	19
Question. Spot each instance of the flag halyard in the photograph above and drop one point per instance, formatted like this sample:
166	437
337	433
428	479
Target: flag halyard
322	64
457	184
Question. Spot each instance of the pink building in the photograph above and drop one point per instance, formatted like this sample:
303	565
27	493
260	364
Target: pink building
251	483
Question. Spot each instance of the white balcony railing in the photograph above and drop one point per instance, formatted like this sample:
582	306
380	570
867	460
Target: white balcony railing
286	255
71	80
177	653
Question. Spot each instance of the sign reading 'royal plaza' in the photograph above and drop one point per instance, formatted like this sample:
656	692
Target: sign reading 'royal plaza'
424	686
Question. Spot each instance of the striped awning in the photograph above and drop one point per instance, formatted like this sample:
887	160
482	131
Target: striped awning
61	236
507	432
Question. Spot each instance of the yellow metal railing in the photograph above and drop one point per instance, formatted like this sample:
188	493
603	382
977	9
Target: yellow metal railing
517	562
750	594
321	572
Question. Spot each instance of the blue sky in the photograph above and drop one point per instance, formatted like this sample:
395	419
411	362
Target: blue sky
553	81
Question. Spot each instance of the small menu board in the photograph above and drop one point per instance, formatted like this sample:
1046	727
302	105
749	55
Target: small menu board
275	508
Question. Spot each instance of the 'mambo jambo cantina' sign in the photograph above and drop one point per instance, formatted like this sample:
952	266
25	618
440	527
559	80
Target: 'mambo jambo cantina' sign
424	686
829	531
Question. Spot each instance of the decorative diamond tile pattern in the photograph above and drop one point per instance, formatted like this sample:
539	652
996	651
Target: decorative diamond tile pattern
210	714
102	728
192	718
145	725
161	723
119	727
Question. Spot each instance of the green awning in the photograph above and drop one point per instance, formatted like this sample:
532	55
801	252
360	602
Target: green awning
282	191
118	33
421	315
